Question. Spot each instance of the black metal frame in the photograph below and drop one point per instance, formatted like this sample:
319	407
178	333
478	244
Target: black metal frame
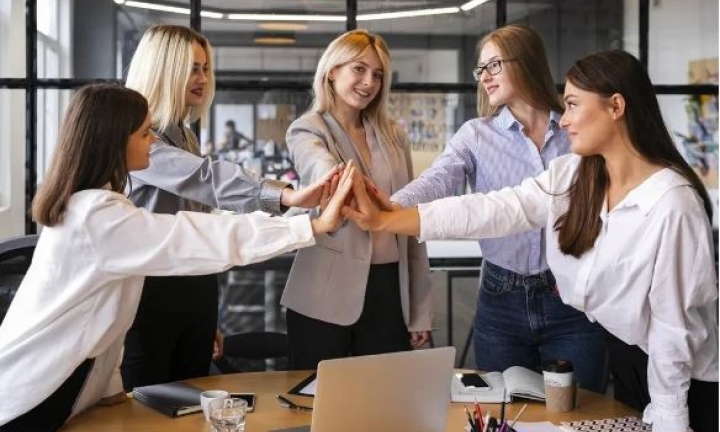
31	84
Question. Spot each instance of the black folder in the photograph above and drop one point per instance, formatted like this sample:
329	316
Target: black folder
172	399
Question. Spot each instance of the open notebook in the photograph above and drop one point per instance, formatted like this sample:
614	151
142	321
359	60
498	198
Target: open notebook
519	382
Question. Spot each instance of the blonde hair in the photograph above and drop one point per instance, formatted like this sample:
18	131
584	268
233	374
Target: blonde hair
160	70
347	48
529	70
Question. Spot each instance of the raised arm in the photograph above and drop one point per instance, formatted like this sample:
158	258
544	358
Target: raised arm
219	184
131	240
496	214
447	173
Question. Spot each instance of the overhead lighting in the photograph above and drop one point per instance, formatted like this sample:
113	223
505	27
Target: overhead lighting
282	26
277	17
271	39
158	7
408	14
472	4
208	14
166	8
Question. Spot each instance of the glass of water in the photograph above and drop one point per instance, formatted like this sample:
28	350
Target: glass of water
228	415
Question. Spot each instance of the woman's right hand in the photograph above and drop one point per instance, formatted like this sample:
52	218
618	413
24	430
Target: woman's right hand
381	200
331	216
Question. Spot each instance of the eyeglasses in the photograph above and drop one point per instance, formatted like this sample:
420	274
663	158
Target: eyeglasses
493	67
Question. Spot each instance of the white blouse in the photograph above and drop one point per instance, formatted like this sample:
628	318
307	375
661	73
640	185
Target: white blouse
649	279
80	295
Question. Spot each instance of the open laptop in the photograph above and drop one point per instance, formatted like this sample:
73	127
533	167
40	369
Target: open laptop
404	391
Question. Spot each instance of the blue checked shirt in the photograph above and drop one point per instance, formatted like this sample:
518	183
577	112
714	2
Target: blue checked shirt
492	153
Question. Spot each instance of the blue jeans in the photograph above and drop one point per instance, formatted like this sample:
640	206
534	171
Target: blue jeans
521	321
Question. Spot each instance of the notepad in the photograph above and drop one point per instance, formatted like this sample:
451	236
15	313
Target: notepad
517	380
172	399
621	424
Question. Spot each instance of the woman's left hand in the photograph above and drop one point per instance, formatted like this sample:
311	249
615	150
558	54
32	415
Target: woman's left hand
310	196
419	338
114	399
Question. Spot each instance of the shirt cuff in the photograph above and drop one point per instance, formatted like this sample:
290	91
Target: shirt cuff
431	218
667	414
301	230
270	196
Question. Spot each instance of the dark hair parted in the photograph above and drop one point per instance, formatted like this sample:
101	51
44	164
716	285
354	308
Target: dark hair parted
608	73
91	150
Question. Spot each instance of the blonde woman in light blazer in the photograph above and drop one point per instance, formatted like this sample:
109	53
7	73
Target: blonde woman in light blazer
355	293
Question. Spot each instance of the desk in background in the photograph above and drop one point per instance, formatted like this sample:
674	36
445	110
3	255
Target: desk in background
132	416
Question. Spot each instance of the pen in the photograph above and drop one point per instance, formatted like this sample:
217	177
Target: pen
518	415
470	420
502	408
486	421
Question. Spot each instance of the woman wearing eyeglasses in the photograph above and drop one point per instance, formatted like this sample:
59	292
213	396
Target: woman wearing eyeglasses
520	319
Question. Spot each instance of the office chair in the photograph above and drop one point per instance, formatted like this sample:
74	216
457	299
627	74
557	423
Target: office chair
248	351
15	257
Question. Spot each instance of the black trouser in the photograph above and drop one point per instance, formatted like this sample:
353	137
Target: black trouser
628	365
172	336
380	328
54	411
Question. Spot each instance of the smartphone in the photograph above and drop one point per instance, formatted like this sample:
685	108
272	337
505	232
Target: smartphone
249	397
474	380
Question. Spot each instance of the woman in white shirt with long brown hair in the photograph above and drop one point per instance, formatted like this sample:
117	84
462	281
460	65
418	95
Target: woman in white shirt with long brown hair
62	338
629	240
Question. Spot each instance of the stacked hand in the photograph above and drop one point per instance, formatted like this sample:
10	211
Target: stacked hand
335	194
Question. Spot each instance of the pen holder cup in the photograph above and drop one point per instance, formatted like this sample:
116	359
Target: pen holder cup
560	386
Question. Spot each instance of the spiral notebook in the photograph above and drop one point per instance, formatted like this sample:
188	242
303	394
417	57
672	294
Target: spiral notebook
621	424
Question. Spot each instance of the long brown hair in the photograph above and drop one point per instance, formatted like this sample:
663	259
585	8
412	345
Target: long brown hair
91	150
607	73
528	69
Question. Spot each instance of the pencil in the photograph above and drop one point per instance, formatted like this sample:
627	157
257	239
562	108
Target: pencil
470	420
518	415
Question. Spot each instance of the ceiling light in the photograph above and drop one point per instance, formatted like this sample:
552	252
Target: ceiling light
472	4
208	14
158	7
277	17
407	14
270	39
282	26
119	1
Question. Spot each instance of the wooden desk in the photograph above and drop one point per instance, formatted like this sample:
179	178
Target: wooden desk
132	416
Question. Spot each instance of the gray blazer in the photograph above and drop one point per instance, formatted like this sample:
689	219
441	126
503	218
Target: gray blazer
327	281
177	177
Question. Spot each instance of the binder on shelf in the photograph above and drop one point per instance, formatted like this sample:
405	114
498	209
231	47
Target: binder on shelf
172	399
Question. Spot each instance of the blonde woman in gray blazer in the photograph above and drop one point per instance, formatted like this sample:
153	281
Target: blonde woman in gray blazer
355	293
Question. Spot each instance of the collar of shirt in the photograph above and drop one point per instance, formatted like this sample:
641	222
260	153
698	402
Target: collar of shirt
506	120
649	192
173	133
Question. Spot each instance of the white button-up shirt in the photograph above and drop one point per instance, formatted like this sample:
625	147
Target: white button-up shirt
80	295
649	279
